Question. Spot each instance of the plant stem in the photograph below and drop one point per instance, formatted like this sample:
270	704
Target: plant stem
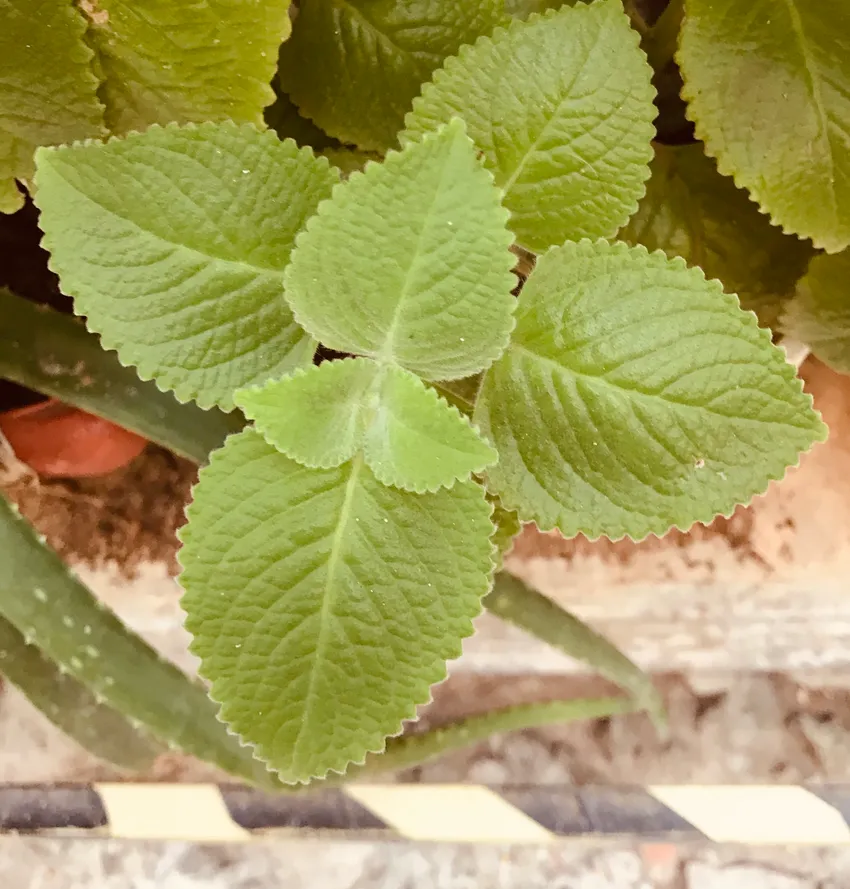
71	707
520	605
54	354
56	612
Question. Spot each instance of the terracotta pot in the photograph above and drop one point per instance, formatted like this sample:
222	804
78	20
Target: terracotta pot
58	441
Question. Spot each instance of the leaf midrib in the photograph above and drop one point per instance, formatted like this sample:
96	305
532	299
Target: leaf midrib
636	394
817	98
205	255
330	594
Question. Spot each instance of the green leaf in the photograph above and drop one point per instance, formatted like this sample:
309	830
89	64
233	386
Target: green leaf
528	609
691	211
636	396
409	263
284	119
508	528
48	94
561	107
173	244
71	707
768	87
53	610
54	354
373	59
522	9
349	160
167	62
411	438
324	604
819	315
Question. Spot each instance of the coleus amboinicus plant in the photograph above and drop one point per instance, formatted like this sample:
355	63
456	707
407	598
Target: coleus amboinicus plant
339	547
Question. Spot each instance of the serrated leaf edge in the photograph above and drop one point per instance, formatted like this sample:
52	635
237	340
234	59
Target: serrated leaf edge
506	32
411	712
753	192
787	371
183	393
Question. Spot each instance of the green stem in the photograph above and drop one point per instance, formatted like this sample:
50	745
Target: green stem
662	40
71	707
518	604
54	354
56	612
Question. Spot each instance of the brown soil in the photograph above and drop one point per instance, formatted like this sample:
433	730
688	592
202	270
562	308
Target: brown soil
126	518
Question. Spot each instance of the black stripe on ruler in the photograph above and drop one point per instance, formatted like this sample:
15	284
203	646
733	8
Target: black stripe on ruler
576	811
32	808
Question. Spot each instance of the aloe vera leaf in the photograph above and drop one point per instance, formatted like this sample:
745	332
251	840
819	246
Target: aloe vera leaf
414	750
56	612
54	354
71	707
526	608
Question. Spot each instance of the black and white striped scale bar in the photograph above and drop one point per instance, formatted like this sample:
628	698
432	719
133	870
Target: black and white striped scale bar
457	813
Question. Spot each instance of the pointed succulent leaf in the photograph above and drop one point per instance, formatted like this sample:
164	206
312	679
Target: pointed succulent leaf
324	604
49	92
167	62
173	243
691	211
409	262
374	58
768	88
819	315
410	437
635	397
561	107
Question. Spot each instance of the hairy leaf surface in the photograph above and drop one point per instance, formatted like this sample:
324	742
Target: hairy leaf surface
409	263
636	396
691	211
164	61
324	604
768	86
173	244
48	93
372	59
819	315
410	437
561	107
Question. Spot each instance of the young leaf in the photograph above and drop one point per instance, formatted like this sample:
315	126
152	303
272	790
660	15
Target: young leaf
173	244
71	707
324	604
691	211
49	93
409	263
819	315
374	57
636	396
768	86
410	437
185	62
561	107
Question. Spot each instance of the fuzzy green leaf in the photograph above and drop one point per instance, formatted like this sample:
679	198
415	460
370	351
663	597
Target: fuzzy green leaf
819	315
409	263
561	107
48	93
374	58
691	211
410	437
324	604
173	244
165	61
636	396
768	87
